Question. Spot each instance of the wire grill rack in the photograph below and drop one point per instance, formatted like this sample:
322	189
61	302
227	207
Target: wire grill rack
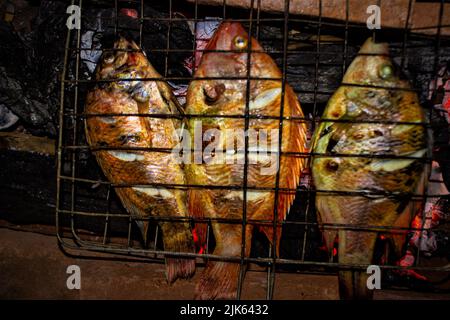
89	216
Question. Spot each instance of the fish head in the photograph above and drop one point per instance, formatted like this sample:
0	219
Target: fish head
123	67
227	52
231	36
124	55
226	59
373	66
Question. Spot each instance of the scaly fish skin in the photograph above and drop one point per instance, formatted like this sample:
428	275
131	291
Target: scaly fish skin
137	166
374	92
223	97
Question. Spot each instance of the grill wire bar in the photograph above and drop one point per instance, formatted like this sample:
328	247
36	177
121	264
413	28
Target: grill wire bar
72	146
246	125
436	68
271	284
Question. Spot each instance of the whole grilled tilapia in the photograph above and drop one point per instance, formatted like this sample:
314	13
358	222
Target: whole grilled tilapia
379	165
136	167
225	166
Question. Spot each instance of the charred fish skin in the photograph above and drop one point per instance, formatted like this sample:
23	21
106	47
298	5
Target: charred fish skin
120	90
228	97
371	158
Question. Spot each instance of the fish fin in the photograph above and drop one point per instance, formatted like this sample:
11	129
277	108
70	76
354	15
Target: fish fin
177	238
325	214
268	231
328	134
291	167
143	227
355	247
131	207
168	96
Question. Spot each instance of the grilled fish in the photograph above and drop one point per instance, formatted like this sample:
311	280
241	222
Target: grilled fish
224	167
377	163
141	171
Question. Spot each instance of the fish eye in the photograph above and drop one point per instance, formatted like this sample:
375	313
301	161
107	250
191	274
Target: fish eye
108	58
240	42
386	71
332	165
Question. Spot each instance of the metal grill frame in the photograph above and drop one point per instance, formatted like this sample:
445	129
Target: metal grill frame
129	250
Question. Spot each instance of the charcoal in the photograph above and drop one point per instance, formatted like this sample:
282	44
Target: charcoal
32	61
7	118
29	70
100	33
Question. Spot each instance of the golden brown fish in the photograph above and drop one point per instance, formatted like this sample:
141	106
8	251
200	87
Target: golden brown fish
373	159
140	168
226	169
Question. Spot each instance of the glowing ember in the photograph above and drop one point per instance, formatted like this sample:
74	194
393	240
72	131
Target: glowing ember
129	12
334	252
201	247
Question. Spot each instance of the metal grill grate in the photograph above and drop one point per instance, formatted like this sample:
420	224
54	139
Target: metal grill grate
88	215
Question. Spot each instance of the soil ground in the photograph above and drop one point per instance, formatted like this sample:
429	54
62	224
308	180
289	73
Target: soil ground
33	266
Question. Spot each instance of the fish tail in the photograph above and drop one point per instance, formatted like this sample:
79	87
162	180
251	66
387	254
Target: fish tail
355	247
179	268
218	281
353	286
178	238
